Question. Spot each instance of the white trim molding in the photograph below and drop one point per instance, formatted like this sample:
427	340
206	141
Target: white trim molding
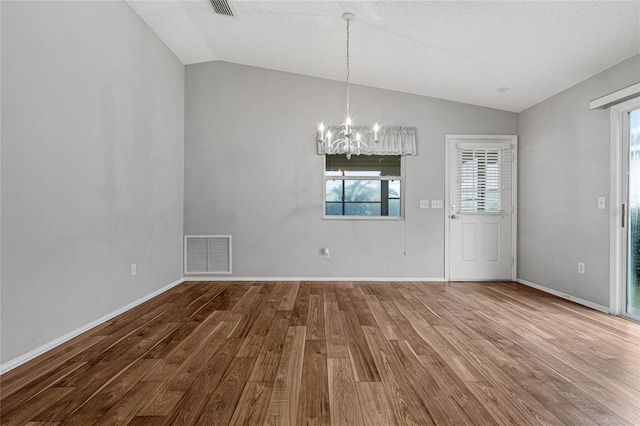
329	279
569	297
616	97
16	362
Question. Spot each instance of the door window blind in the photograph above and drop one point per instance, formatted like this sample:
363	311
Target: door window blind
484	179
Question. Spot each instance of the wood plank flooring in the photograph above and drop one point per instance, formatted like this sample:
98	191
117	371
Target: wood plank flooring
338	353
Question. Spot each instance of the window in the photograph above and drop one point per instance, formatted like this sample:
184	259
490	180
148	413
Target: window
364	186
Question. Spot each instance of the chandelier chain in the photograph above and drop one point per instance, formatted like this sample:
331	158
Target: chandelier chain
348	68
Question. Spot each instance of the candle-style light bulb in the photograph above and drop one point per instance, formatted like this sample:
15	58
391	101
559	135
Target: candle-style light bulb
375	131
347	123
329	136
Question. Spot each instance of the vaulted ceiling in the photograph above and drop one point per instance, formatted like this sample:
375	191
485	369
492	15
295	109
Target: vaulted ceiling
508	55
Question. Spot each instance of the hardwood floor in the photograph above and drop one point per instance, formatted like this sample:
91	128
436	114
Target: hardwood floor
348	353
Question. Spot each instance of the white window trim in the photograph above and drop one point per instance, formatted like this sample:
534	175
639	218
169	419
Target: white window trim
401	178
618	251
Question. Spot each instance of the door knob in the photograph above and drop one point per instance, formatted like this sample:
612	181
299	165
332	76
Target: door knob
453	216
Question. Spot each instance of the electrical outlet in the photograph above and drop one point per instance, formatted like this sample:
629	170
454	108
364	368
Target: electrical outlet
424	204
325	252
436	204
133	269
581	268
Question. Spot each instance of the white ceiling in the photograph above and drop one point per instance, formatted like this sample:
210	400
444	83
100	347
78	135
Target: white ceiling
461	51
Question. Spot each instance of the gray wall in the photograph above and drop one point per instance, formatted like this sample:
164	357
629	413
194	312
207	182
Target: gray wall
253	172
92	166
564	168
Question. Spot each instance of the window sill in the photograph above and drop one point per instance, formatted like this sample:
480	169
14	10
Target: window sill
365	218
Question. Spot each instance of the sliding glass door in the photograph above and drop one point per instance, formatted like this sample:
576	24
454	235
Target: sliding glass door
633	216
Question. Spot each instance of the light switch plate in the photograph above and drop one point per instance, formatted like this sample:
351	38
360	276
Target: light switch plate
424	204
436	204
602	204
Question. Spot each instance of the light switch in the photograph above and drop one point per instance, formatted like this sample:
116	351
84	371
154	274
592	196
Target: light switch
424	204
602	204
436	204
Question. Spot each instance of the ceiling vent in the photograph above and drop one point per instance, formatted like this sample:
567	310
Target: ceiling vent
222	7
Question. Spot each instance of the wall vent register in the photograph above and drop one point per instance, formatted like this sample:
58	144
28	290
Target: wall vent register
222	7
207	254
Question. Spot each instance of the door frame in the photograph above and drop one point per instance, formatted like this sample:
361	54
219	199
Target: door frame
513	139
618	237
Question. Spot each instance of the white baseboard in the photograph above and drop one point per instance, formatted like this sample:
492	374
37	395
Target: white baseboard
11	364
583	302
223	278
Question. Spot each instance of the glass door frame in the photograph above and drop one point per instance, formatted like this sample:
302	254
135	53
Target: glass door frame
619	195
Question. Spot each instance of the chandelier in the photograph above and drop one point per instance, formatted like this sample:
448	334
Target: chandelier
347	140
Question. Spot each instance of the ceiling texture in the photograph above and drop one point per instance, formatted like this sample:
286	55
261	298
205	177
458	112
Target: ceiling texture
460	51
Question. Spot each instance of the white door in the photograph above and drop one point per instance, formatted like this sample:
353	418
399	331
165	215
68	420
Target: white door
481	207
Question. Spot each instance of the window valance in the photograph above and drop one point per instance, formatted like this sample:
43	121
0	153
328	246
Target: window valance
392	140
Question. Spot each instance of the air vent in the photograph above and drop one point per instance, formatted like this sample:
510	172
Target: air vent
222	7
207	254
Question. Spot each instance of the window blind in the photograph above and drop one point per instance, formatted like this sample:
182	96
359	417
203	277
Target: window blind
483	178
